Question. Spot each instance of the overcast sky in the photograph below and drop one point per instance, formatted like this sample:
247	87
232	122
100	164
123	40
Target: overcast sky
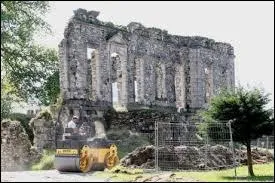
247	26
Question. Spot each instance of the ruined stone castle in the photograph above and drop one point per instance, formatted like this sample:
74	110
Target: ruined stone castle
132	66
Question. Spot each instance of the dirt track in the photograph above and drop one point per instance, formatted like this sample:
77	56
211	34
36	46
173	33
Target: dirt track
49	176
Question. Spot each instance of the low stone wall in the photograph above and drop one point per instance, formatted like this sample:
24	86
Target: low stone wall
16	150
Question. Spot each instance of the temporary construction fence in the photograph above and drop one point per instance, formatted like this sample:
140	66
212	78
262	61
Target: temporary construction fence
185	146
192	147
266	142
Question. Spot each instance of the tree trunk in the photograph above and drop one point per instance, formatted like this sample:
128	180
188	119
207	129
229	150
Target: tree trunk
249	160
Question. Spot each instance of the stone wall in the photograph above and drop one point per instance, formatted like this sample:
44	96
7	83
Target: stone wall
144	120
150	66
43	126
16	150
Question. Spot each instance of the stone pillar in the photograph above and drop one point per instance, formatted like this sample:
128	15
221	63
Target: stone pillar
124	79
163	81
98	58
64	78
180	85
195	78
170	84
149	80
131	75
209	83
140	80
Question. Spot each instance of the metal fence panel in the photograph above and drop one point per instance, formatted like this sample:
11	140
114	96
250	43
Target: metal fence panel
181	146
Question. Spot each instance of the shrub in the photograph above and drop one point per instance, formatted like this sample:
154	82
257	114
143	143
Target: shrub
125	141
46	162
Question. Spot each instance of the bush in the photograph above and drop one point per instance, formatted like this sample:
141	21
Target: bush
125	141
46	162
118	134
24	120
128	145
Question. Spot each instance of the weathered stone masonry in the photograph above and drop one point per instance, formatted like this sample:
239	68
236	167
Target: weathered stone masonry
168	70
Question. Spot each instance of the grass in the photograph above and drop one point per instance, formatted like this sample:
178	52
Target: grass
46	162
263	172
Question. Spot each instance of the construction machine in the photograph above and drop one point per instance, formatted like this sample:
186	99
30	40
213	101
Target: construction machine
79	153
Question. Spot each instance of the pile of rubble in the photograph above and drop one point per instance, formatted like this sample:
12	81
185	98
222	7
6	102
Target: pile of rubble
191	158
258	156
141	157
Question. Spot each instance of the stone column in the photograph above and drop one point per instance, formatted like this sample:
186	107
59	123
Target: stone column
131	83
63	67
194	79
163	82
180	85
124	79
140	79
98	74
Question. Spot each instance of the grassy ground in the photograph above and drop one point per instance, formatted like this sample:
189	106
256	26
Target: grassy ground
46	162
263	172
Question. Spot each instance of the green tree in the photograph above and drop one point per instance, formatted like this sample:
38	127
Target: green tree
50	90
5	105
247	110
25	65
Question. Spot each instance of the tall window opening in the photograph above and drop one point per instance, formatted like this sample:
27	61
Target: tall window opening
90	52
114	93
136	91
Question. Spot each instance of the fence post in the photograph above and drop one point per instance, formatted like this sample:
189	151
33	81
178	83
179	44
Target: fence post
267	142
232	147
156	146
206	150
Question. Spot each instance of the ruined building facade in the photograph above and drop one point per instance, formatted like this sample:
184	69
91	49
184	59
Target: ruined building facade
146	66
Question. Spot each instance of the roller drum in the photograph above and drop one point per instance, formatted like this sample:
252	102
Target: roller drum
67	164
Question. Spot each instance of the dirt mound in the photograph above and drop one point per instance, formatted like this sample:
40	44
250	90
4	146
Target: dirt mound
142	157
191	158
258	156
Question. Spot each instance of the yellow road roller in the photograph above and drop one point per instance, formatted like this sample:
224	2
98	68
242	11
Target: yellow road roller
78	154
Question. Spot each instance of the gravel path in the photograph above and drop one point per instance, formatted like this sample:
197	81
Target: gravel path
49	176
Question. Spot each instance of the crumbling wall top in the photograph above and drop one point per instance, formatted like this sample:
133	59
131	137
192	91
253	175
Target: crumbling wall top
150	33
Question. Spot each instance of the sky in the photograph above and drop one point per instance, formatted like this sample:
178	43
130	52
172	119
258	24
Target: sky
247	26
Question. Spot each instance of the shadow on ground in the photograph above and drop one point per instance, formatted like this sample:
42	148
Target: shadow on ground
250	178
